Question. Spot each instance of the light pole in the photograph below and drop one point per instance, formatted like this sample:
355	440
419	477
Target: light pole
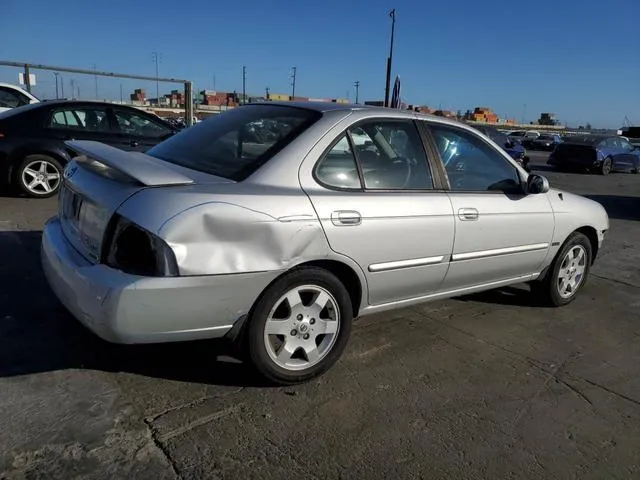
244	85
392	14
62	86
157	57
56	75
293	83
95	78
357	85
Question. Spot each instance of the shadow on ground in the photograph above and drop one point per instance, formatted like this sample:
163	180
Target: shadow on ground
519	296
619	207
38	335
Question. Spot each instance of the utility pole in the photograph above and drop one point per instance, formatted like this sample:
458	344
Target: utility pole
357	85
62	86
121	100
392	14
56	75
267	90
244	85
73	87
157	58
78	91
524	111
293	83
95	78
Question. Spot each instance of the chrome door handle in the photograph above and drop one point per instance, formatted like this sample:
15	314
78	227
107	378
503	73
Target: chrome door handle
468	214
346	217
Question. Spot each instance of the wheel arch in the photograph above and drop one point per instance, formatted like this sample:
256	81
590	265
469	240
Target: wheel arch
588	231
21	153
345	273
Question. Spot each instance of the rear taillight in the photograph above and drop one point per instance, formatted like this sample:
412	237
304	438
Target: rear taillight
1	135
136	251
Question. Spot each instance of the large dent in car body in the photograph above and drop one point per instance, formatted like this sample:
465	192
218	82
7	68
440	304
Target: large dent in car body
224	238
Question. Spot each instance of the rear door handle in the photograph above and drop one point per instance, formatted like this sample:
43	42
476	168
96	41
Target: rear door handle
468	214
346	217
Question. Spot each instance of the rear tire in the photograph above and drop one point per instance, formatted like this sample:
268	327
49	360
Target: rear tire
567	274
299	327
38	176
606	166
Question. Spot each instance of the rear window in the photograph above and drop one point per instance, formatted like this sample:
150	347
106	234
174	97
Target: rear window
235	144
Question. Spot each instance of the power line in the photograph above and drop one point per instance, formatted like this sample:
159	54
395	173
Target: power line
293	82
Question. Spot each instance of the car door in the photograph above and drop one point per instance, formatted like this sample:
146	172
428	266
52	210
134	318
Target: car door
81	122
624	158
373	190
501	233
137	130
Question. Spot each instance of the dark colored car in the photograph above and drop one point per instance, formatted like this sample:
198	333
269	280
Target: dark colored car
32	149
602	154
513	148
544	142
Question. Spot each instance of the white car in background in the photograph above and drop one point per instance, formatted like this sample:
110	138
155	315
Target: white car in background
12	96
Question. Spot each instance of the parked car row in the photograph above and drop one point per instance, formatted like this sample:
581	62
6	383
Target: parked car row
596	153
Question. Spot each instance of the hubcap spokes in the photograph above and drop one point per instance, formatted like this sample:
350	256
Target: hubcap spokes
41	177
302	327
572	270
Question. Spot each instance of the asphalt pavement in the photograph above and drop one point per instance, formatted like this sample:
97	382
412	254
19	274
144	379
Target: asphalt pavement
483	386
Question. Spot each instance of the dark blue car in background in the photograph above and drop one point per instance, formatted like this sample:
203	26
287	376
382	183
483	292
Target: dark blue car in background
602	154
513	148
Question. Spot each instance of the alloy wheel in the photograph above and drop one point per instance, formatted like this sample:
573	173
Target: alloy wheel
572	271
40	177
302	327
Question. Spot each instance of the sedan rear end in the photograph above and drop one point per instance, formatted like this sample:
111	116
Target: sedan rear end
575	155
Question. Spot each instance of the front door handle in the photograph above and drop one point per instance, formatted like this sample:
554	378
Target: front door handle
134	143
468	214
346	217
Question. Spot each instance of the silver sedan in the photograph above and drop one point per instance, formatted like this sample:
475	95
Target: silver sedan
275	225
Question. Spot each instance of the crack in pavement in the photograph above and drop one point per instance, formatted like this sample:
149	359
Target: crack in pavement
198	422
158	444
539	365
193	403
614	280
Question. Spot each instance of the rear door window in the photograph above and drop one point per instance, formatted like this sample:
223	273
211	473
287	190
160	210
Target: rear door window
93	119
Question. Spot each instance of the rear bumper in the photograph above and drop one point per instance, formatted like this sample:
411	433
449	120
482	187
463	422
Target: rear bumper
124	308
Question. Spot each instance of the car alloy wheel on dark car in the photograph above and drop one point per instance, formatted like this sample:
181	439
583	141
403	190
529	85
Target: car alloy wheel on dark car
39	176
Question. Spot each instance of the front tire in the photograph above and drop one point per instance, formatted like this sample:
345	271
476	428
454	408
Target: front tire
39	176
300	326
567	274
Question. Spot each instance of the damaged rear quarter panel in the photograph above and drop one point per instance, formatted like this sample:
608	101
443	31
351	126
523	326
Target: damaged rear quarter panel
231	230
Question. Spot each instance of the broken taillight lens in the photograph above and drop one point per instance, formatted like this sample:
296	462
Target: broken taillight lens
136	251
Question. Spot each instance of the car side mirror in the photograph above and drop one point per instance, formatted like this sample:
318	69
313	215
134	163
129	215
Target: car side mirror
537	184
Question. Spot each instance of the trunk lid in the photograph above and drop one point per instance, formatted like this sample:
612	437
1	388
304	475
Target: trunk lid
98	181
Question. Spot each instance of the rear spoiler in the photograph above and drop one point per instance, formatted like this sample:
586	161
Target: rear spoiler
145	169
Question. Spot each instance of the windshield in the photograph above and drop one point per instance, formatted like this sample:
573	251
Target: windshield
235	144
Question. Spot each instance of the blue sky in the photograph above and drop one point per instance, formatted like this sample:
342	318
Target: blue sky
579	59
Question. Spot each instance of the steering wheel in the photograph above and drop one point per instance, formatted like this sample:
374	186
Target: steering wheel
409	165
